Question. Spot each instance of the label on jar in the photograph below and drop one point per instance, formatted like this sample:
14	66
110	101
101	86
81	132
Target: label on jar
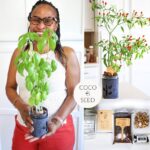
123	122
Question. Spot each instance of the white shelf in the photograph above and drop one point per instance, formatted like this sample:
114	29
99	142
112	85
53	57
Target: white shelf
92	71
104	141
89	65
130	97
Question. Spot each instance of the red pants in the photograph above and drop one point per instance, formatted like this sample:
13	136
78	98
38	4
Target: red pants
63	139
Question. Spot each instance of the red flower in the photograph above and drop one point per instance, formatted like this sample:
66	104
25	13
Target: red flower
130	38
129	47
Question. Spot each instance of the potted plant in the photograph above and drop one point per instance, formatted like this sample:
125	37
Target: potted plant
36	71
118	50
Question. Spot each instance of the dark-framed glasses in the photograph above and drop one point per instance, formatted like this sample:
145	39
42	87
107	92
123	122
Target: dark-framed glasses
48	21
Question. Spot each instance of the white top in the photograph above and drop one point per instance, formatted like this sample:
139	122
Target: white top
57	87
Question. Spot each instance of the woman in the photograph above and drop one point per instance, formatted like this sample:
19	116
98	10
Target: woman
60	102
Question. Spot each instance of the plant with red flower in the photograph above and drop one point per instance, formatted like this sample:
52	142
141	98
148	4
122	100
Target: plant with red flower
116	49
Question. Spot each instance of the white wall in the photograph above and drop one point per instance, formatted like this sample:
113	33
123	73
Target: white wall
140	71
13	16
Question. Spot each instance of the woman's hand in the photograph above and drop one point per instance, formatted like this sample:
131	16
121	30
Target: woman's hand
25	114
53	125
31	138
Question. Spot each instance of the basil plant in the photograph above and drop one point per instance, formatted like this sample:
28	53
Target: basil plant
34	68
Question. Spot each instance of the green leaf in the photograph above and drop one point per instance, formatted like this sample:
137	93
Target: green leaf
42	61
114	39
42	74
33	93
45	65
33	36
34	77
105	60
38	98
36	58
46	33
44	95
49	72
21	68
32	101
53	65
46	87
41	44
122	29
30	67
22	43
52	44
29	85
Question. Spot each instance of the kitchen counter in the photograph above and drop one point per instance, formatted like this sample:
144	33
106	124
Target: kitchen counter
130	97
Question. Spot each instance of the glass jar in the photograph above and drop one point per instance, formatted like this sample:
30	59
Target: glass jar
89	125
92	58
87	56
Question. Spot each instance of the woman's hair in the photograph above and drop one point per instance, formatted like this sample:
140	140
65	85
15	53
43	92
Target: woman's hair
58	44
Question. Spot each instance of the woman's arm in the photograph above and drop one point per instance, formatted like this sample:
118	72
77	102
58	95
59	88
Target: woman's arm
11	91
72	79
11	85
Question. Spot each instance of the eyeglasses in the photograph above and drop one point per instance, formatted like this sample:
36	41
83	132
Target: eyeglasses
48	21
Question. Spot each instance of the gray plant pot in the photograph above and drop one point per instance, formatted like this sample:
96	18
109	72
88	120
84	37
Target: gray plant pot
40	123
110	87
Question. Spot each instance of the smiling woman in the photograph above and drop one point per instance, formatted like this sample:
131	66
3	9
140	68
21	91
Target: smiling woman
60	102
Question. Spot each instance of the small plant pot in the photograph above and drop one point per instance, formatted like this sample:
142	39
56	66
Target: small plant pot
110	87
40	123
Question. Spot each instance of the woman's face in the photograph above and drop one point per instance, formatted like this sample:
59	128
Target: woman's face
42	17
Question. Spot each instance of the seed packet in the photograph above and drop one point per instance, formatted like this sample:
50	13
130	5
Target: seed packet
122	127
104	120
